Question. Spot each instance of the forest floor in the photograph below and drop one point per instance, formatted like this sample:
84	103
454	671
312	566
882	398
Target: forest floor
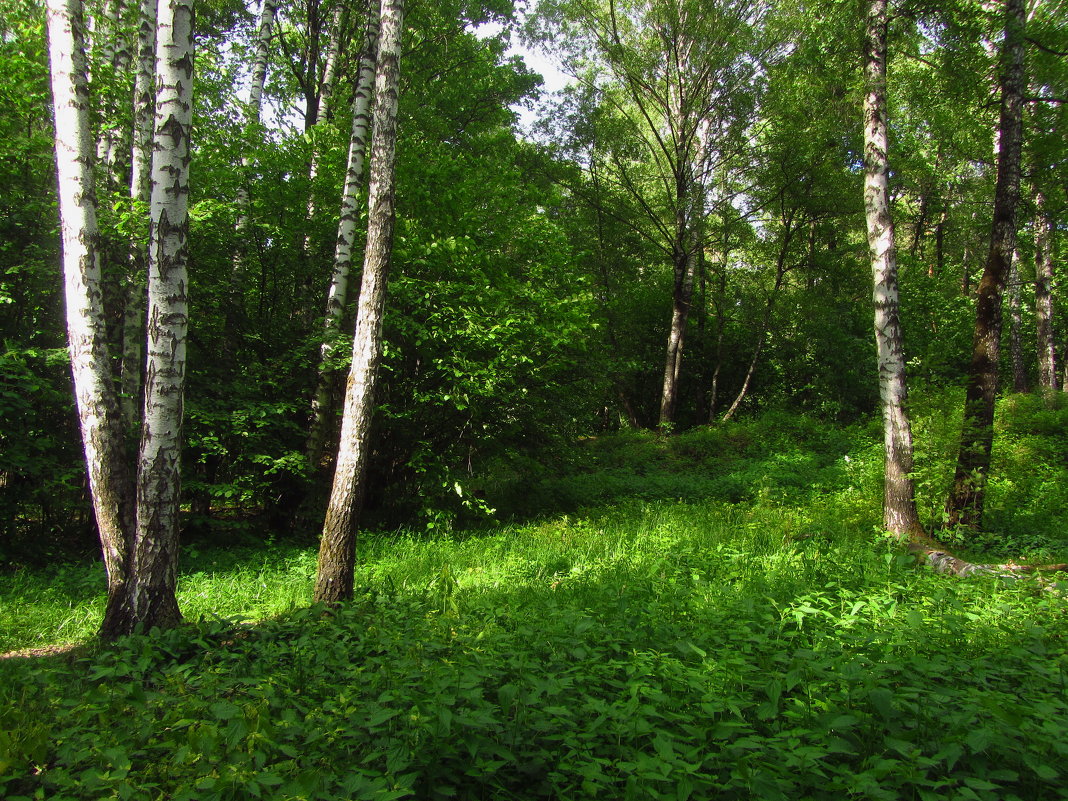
714	614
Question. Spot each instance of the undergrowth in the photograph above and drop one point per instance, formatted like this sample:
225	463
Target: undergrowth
648	651
764	643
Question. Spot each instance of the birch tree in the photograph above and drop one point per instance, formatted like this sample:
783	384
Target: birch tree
899	505
334	578
153	575
1047	362
98	413
337	292
133	327
680	78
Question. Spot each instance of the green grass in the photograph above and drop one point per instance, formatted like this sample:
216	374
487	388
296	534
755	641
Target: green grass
65	604
647	651
777	647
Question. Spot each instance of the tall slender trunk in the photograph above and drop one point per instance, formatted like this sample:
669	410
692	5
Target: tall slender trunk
334	578
762	334
1047	363
242	201
115	58
1019	372
133	328
681	296
965	502
98	413
899	505
346	234
326	94
153	577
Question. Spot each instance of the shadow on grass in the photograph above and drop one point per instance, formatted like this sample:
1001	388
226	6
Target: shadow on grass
645	663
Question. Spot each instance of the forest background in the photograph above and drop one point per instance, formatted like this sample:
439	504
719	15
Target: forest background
535	282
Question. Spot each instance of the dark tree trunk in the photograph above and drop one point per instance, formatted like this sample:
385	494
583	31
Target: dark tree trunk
965	503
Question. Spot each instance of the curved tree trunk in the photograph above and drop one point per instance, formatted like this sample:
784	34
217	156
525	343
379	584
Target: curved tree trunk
899	505
765	322
337	293
98	413
334	578
965	502
151	588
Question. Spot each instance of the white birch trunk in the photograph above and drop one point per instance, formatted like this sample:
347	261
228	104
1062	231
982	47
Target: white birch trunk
334	578
337	292
151	596
1047	361
899	506
98	416
326	96
252	117
1019	372
133	326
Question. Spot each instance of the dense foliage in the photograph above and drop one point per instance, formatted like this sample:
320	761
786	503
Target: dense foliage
556	601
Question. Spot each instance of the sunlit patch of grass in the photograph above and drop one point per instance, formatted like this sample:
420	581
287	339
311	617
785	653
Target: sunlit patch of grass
643	650
66	604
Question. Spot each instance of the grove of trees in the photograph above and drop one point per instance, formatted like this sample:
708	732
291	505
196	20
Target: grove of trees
731	181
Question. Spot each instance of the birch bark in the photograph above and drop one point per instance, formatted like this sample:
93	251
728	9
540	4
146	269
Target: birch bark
899	505
152	599
334	579
252	119
346	235
133	327
98	413
1047	362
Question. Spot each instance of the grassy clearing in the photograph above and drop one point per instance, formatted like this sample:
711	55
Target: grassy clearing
775	647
